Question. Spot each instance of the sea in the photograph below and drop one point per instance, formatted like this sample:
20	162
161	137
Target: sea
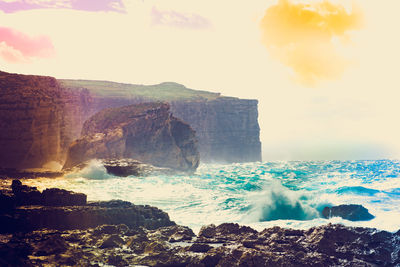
288	194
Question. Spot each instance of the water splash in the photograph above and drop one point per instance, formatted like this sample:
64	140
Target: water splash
286	194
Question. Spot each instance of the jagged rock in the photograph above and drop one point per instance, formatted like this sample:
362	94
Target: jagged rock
62	209
112	241
26	195
44	115
29	218
225	231
328	245
144	132
349	212
55	244
61	197
128	167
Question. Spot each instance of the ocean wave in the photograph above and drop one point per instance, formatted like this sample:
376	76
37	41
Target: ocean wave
286	194
94	170
358	190
277	202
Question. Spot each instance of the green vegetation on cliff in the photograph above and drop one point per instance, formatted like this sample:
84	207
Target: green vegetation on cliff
167	91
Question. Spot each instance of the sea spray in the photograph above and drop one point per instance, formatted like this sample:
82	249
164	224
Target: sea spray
93	170
249	193
276	202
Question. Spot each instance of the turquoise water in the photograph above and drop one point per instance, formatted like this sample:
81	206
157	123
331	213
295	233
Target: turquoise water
287	194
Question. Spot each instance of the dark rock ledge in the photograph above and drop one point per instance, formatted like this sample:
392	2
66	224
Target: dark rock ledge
119	233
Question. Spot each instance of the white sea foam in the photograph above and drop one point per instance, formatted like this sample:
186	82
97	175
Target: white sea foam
286	194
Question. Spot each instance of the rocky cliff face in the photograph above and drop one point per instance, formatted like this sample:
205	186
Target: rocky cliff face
40	117
35	120
146	132
227	128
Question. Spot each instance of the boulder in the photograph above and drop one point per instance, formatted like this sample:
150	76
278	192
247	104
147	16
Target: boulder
350	212
27	195
131	167
145	132
61	197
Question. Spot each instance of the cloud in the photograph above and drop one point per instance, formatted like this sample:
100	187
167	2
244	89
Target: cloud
308	38
12	6
178	20
17	47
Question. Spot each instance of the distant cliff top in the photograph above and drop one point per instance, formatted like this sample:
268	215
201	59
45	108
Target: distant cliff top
167	91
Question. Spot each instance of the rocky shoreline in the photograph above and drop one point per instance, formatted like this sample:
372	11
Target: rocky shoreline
59	228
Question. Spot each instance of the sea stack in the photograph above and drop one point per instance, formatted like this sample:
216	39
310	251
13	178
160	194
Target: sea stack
145	132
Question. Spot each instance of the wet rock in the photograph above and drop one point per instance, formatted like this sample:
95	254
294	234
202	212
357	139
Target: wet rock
349	212
224	232
113	241
131	167
53	245
59	214
116	260
61	197
328	245
15	253
199	247
138	243
31	218
174	233
25	195
107	229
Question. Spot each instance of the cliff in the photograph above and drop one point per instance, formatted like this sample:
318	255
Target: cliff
36	118
226	127
41	116
146	132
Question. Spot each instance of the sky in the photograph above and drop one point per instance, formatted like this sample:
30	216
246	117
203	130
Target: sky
324	71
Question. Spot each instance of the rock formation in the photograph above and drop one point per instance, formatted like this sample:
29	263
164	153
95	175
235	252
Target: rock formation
227	127
36	118
118	233
127	167
146	132
350	212
27	209
43	116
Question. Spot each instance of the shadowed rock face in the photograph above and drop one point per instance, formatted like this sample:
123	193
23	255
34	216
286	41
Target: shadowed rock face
27	209
145	132
36	118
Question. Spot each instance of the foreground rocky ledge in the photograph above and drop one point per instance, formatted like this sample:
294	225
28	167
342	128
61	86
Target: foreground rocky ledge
224	245
118	233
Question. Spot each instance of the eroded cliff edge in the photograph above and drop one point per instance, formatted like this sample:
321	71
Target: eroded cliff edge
37	119
146	132
40	117
227	127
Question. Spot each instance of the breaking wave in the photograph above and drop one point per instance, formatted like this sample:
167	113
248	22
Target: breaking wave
286	194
